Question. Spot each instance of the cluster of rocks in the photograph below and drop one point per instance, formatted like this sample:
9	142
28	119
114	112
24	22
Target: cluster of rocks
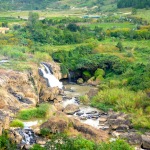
119	126
114	123
60	122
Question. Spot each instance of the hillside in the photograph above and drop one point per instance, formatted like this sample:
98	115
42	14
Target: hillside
57	4
94	5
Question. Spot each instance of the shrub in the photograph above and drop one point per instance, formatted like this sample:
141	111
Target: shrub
16	123
5	143
99	73
63	142
115	145
45	131
39	112
42	56
86	75
84	99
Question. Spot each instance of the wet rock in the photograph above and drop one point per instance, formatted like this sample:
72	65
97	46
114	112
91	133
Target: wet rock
71	109
122	128
146	142
102	119
83	118
132	138
104	127
79	113
92	112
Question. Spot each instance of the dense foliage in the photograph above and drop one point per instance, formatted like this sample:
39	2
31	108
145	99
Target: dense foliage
62	142
24	4
133	3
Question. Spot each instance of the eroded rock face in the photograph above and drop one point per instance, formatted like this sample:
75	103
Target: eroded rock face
17	89
70	109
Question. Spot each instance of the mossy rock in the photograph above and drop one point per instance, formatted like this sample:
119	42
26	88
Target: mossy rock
99	72
80	81
86	75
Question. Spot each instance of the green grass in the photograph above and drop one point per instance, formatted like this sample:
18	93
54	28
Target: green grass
16	123
38	112
106	26
122	99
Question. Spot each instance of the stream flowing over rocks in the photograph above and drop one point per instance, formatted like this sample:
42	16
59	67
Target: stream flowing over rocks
25	90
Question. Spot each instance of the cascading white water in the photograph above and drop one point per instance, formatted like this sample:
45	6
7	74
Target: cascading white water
52	80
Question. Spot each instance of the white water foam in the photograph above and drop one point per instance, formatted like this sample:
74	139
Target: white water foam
52	80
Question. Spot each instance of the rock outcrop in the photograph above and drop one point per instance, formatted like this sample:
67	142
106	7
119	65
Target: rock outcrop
16	88
90	132
60	123
70	109
57	123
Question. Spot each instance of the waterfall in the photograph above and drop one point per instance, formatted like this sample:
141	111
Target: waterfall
69	77
52	80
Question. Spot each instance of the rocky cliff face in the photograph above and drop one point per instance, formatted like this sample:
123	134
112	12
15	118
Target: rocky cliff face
21	90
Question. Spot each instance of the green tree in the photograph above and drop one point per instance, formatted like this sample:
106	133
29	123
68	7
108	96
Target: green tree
134	11
32	19
120	46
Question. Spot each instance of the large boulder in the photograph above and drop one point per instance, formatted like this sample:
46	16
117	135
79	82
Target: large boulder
49	94
80	81
93	82
146	141
70	109
56	124
132	138
92	92
90	132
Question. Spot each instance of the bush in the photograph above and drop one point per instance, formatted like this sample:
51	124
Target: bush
86	75
16	123
5	143
115	145
42	56
84	99
45	131
62	142
39	112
